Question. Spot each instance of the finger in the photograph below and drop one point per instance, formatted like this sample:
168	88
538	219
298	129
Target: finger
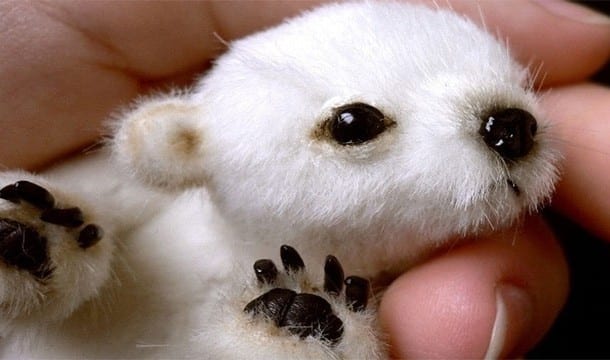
581	118
155	40
72	64
510	285
566	41
189	29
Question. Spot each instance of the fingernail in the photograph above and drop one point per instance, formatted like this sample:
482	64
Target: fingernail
514	309
574	12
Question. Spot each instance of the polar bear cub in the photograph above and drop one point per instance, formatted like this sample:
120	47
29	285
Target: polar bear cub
358	136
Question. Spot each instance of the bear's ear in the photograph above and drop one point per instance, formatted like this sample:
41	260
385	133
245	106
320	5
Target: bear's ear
161	140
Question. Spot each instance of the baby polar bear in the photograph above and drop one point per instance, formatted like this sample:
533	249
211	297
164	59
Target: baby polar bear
376	132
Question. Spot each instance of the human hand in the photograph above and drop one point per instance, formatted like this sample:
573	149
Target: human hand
81	62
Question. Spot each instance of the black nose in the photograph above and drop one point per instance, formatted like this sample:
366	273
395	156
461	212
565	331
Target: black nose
510	132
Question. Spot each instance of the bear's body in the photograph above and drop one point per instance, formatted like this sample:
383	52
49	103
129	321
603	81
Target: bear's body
376	132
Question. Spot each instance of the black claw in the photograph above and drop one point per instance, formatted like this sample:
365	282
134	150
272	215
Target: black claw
71	217
22	247
28	192
333	276
291	259
265	271
89	236
356	293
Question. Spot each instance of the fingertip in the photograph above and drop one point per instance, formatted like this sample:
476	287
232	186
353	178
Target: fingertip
580	131
490	298
429	317
513	319
573	12
557	25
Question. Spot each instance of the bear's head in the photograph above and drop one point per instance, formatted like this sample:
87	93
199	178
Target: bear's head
368	125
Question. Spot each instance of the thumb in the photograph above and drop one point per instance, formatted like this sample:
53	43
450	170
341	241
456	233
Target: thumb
493	297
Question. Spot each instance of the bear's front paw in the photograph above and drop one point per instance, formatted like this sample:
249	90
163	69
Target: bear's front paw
286	315
51	254
303	313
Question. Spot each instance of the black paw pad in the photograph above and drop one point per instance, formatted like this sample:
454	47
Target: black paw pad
22	247
307	314
301	314
29	192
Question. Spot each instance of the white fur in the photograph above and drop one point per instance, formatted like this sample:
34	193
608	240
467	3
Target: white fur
173	272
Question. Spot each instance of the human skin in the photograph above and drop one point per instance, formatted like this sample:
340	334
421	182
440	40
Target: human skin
68	65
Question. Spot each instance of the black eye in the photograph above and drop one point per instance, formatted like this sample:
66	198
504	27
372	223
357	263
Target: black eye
356	123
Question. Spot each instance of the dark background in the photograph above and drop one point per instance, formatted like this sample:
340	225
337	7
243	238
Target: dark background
583	327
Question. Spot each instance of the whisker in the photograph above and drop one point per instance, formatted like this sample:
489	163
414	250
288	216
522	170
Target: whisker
537	77
482	18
